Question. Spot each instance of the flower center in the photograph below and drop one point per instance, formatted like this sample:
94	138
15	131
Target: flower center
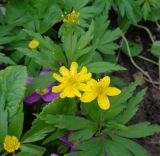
42	92
71	18
11	144
72	81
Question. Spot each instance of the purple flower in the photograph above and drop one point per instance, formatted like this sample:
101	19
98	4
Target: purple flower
72	144
53	154
46	94
2	66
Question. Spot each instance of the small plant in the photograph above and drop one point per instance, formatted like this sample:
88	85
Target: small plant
61	89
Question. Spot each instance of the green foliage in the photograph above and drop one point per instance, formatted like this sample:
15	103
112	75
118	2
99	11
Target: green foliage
155	49
92	42
12	87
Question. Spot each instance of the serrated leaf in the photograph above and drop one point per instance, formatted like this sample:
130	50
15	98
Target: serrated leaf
6	60
103	67
33	149
37	132
131	108
139	130
135	148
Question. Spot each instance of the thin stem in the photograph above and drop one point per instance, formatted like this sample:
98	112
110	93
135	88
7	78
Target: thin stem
148	60
159	67
134	63
158	25
148	31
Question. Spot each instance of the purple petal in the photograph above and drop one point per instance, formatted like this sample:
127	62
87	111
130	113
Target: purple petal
30	78
2	66
73	150
34	97
50	96
43	72
66	140
53	154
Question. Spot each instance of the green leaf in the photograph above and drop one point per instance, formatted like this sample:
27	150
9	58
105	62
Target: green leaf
12	87
139	130
55	135
3	125
116	149
16	126
135	48
131	107
103	67
133	147
23	154
33	149
118	102
6	60
67	121
90	148
155	49
37	132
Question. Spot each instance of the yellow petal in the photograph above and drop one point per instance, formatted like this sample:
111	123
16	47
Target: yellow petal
58	88
77	93
68	92
64	71
84	77
88	97
74	67
103	102
57	77
83	70
84	87
106	80
113	91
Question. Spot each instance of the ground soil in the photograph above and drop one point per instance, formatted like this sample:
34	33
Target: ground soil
150	107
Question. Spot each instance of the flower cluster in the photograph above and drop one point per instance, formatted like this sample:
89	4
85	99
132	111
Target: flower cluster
71	17
73	83
11	144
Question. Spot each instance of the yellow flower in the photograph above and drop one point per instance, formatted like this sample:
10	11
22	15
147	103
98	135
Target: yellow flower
11	144
33	44
101	91
71	81
71	18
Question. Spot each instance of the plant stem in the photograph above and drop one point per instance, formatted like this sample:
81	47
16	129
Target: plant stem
148	60
134	63
5	154
148	31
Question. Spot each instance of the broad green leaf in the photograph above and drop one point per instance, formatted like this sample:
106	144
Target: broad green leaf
139	130
16	125
33	149
12	87
3	125
103	67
